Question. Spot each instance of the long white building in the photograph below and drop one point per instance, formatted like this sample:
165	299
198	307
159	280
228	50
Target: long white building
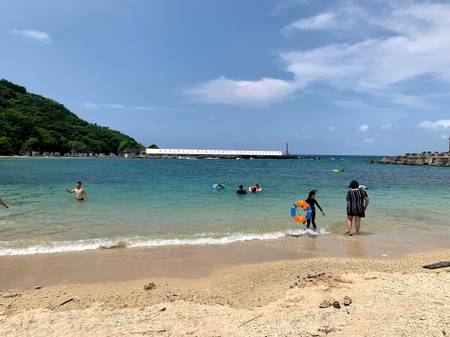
220	153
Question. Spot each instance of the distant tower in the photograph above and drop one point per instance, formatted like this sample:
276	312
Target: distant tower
287	148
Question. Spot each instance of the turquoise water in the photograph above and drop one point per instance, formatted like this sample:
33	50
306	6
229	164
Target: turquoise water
162	202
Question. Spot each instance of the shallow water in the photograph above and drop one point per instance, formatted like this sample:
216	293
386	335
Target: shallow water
169	202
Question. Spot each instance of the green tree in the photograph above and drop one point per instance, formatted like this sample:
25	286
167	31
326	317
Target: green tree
5	145
153	146
77	146
128	146
31	144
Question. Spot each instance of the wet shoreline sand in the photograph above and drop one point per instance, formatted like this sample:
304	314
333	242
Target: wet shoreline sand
124	264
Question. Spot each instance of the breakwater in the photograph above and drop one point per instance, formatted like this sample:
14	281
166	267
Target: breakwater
420	159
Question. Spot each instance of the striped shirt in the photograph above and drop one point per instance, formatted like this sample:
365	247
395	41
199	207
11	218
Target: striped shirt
355	202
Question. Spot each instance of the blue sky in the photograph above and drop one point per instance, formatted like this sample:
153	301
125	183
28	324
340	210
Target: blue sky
329	77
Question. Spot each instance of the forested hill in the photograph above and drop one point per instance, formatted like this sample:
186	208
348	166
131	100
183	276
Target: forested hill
30	122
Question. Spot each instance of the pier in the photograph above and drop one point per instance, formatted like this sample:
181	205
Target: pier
223	154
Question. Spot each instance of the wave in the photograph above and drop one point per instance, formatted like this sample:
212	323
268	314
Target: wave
137	242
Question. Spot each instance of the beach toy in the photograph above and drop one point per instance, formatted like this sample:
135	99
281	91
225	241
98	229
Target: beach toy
337	170
305	206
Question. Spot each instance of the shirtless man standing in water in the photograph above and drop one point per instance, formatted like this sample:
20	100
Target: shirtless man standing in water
80	192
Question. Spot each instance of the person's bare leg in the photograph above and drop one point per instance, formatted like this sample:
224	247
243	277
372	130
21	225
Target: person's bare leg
349	224
3	203
357	224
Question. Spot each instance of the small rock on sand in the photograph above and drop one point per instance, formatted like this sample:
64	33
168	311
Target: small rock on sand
347	301
336	305
150	286
326	303
10	294
38	287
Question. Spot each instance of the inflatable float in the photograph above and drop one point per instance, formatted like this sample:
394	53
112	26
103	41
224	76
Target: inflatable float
306	208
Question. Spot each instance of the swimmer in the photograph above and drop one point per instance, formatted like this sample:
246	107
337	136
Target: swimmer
241	190
255	188
80	192
3	203
218	186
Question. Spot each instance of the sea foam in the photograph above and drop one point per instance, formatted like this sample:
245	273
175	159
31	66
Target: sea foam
139	242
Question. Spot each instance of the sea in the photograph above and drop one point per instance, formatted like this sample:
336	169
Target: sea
151	202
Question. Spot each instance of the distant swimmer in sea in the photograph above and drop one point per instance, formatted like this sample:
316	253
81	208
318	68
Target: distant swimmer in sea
255	188
311	200
80	192
241	190
3	203
357	203
218	186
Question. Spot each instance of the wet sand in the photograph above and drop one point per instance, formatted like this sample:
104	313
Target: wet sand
124	264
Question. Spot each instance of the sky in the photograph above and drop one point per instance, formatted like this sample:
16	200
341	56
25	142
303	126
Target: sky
329	77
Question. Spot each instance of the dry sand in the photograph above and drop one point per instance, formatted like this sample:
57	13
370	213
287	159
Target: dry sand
390	297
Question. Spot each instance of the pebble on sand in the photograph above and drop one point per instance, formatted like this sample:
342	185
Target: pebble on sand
10	295
326	303
150	286
347	301
336	305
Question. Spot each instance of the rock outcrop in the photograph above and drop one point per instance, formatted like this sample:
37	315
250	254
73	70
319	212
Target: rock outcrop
423	158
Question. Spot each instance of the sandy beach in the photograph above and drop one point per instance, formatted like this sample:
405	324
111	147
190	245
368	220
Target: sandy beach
267	288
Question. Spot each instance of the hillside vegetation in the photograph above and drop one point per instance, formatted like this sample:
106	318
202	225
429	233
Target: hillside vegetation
30	122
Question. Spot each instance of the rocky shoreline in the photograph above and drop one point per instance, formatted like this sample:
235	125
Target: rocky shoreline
426	158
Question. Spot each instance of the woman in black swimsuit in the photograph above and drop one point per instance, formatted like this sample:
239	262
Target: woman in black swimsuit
357	202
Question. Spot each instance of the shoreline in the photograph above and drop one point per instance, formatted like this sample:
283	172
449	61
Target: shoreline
191	261
390	297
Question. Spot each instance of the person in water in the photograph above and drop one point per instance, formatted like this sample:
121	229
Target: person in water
80	192
313	203
357	203
219	186
3	203
255	188
241	190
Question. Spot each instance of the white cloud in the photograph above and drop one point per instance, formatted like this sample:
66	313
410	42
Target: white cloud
410	41
341	18
442	124
331	128
228	91
322	21
386	126
36	35
363	128
418	46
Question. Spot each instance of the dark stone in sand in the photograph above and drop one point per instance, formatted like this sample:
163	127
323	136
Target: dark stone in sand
150	286
347	301
336	305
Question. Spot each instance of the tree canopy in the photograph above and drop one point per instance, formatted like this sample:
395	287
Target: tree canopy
30	122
